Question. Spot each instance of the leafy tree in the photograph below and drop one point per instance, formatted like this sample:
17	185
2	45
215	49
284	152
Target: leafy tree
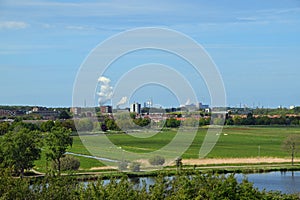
68	124
291	144
64	115
142	121
84	125
172	123
57	141
20	149
4	127
47	126
111	124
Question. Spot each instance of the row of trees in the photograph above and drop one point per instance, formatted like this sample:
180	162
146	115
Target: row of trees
21	147
262	120
108	123
198	186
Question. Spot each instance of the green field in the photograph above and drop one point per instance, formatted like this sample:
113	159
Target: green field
234	142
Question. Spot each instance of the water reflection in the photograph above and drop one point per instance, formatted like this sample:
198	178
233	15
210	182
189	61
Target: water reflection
286	182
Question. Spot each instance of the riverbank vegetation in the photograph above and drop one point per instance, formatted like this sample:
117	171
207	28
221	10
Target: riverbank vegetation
180	186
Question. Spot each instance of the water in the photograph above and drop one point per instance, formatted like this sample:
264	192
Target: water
285	182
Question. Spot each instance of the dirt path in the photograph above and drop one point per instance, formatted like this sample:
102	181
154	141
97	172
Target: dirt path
207	161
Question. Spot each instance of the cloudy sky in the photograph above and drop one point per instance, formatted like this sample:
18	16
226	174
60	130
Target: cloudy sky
255	45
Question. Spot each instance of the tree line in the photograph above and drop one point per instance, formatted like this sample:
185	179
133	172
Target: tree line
181	186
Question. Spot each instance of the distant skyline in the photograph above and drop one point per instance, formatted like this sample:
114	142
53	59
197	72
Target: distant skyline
255	45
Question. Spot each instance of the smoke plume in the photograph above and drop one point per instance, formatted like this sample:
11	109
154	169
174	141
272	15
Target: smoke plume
122	101
106	91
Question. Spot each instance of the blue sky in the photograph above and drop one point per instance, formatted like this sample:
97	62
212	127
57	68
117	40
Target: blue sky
255	45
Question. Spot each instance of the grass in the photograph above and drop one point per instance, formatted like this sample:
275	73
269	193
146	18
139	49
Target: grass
234	142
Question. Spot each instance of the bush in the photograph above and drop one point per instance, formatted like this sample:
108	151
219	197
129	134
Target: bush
123	165
157	160
68	163
135	166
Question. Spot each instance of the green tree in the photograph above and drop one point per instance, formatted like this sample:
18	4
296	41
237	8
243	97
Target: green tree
291	145
20	149
57	141
4	127
111	124
84	124
64	115
172	123
68	124
47	126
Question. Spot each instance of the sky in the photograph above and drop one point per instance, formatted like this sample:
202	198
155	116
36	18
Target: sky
254	44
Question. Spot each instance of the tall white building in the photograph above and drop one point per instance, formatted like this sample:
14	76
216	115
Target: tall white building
135	107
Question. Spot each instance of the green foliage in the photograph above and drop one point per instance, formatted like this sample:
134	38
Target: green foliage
84	124
292	145
157	160
4	127
198	186
111	124
20	149
57	141
47	126
67	163
68	124
64	115
172	123
142	121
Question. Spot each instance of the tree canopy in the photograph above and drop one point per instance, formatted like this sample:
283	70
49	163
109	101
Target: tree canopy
20	149
57	141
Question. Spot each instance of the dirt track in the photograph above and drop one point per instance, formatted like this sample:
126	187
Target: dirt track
207	161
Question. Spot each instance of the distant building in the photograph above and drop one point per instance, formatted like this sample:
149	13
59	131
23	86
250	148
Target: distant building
106	109
135	107
75	110
202	106
45	113
207	110
7	113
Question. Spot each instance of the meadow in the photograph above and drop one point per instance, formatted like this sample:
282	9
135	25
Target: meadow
234	142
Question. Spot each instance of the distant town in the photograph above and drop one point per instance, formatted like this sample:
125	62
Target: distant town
197	113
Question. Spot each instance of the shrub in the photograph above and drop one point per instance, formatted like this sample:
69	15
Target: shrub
135	166
157	160
123	165
67	163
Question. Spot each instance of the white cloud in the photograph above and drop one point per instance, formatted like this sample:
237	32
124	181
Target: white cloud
13	25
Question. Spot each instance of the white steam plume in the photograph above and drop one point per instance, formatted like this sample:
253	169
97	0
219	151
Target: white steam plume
122	101
106	91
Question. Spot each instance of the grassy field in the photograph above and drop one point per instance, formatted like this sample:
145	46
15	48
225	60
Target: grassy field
234	142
